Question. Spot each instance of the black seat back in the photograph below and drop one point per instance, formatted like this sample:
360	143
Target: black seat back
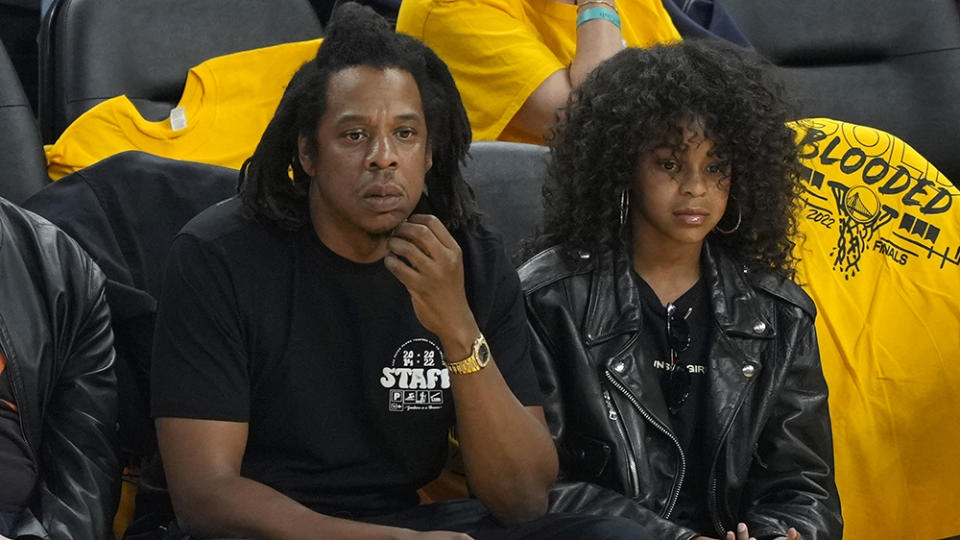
23	169
508	179
125	212
890	65
93	50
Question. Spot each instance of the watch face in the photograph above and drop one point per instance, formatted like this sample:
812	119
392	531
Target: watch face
483	353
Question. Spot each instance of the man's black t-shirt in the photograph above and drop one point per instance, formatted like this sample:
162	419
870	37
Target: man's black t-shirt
344	391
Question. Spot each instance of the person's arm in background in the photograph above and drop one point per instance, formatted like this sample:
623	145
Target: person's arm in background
499	60
597	40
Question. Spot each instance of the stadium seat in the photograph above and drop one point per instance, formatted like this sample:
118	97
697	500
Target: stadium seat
23	169
508	178
893	66
92	50
125	212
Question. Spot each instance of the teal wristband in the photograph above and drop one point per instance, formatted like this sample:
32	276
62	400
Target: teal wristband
598	13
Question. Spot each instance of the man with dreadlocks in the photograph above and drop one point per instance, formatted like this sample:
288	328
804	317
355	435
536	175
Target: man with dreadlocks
320	334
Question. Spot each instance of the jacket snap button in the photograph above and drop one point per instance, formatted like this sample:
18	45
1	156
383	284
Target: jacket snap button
619	367
583	254
748	370
759	327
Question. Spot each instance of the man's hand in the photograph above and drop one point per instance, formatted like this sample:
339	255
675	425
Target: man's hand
508	455
431	269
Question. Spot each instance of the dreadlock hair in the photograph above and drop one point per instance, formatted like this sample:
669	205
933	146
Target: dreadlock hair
273	184
642	98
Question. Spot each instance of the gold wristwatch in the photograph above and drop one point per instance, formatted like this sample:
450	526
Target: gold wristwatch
477	360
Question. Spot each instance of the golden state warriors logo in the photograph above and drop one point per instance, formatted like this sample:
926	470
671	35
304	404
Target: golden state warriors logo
416	378
861	216
861	204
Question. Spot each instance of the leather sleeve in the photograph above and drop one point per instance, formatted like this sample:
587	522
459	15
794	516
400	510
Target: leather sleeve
77	492
792	476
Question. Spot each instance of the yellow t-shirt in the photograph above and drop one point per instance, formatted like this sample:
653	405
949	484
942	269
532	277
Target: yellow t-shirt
881	259
499	51
227	102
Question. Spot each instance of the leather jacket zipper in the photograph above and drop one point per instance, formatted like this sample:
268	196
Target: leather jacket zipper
714	499
715	502
675	493
614	417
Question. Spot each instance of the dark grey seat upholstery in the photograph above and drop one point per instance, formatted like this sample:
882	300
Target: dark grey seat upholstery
893	65
508	179
92	50
125	212
23	169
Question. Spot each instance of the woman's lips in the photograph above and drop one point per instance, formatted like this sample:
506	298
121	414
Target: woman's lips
691	216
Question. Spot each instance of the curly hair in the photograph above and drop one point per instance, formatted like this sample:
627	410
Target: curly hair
274	185
640	99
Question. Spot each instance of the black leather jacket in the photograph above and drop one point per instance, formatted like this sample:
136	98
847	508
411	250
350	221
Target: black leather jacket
770	434
56	337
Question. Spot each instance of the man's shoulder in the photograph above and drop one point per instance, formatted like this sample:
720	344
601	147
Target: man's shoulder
230	222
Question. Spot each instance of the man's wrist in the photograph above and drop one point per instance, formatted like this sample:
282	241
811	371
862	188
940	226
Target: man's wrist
477	359
458	343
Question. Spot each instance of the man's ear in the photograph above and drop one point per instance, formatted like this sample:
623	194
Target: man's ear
429	158
304	155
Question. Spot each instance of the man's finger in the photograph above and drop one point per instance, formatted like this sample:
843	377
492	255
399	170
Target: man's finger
421	236
409	251
436	226
401	270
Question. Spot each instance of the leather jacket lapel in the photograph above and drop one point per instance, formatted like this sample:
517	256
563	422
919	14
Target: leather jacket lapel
614	303
615	311
744	330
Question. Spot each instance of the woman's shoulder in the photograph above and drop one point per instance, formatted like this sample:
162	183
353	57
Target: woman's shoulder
782	289
768	283
554	265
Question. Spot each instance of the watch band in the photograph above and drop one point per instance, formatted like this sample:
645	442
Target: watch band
478	359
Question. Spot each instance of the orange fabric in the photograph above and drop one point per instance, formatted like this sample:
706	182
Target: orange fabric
3	365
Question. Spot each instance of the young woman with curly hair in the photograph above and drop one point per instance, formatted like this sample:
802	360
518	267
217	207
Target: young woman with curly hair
678	359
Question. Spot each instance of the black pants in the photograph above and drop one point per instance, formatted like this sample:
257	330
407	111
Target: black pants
471	517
